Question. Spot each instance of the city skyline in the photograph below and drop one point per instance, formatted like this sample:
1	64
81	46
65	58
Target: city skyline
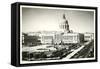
36	19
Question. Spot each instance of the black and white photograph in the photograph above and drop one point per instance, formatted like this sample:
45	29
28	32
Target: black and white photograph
55	34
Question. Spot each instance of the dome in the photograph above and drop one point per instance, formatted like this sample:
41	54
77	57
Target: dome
64	19
64	24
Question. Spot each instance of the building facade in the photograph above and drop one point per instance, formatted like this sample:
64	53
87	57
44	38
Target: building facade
47	37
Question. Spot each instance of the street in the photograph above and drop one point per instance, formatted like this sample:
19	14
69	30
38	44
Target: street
84	51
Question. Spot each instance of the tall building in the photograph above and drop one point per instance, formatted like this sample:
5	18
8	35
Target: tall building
64	25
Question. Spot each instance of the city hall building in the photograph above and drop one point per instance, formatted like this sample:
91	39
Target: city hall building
66	36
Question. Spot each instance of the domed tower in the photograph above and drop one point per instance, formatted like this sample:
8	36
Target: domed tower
64	25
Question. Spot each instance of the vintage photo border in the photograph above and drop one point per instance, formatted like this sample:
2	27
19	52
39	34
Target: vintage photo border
19	25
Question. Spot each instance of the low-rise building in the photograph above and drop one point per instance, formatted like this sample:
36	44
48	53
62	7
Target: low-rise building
88	36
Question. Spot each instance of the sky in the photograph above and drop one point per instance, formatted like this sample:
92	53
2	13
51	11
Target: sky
48	19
